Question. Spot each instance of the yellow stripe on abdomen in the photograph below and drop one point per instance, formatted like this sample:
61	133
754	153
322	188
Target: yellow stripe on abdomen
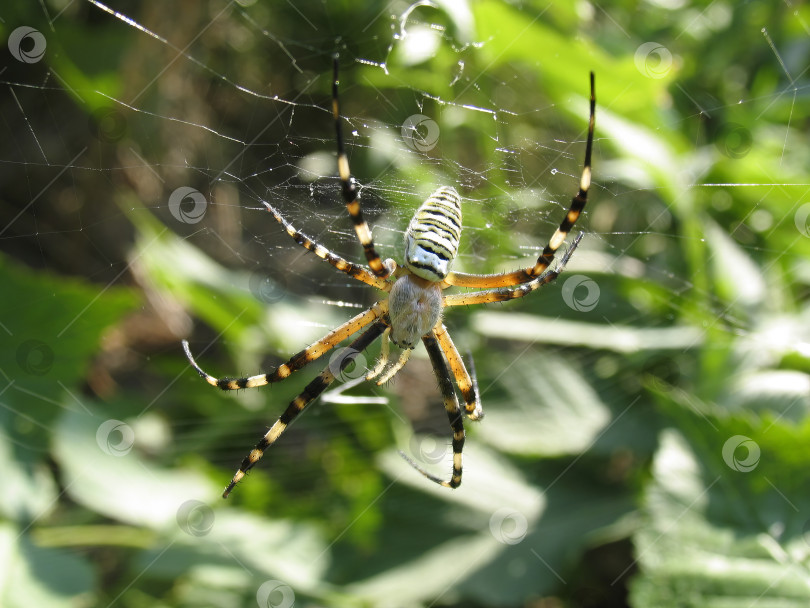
431	241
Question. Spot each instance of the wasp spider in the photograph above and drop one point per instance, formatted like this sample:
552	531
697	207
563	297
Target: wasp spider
412	309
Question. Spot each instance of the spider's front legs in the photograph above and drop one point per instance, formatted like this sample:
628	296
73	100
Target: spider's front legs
578	202
311	392
510	293
353	270
349	189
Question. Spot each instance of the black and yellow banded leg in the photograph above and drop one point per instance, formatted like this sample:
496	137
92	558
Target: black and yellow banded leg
489	281
353	270
349	189
466	384
577	203
311	392
510	293
453	412
299	360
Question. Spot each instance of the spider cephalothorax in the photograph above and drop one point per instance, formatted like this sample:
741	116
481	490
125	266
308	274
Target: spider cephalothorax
412	309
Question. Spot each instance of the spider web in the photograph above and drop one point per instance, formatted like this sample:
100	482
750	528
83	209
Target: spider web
203	140
140	141
195	119
198	118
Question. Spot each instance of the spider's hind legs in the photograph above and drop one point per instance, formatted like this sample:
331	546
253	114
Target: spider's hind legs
430	476
477	412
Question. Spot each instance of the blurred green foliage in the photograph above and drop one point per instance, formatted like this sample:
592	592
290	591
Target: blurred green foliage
646	438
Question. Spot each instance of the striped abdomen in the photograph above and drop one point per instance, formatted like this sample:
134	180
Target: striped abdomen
431	242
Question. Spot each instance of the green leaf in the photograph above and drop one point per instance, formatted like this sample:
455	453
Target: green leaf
48	344
36	576
548	414
104	469
720	537
519	530
546	330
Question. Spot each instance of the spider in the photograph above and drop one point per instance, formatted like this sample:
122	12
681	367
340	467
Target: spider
413	305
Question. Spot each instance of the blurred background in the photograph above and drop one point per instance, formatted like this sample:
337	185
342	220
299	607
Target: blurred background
646	440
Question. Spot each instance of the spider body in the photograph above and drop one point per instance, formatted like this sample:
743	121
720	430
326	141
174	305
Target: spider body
431	245
431	241
413	305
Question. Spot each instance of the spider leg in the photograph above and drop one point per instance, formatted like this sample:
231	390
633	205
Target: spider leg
466	384
453	412
353	270
311	392
525	275
509	293
385	351
299	360
392	371
349	189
